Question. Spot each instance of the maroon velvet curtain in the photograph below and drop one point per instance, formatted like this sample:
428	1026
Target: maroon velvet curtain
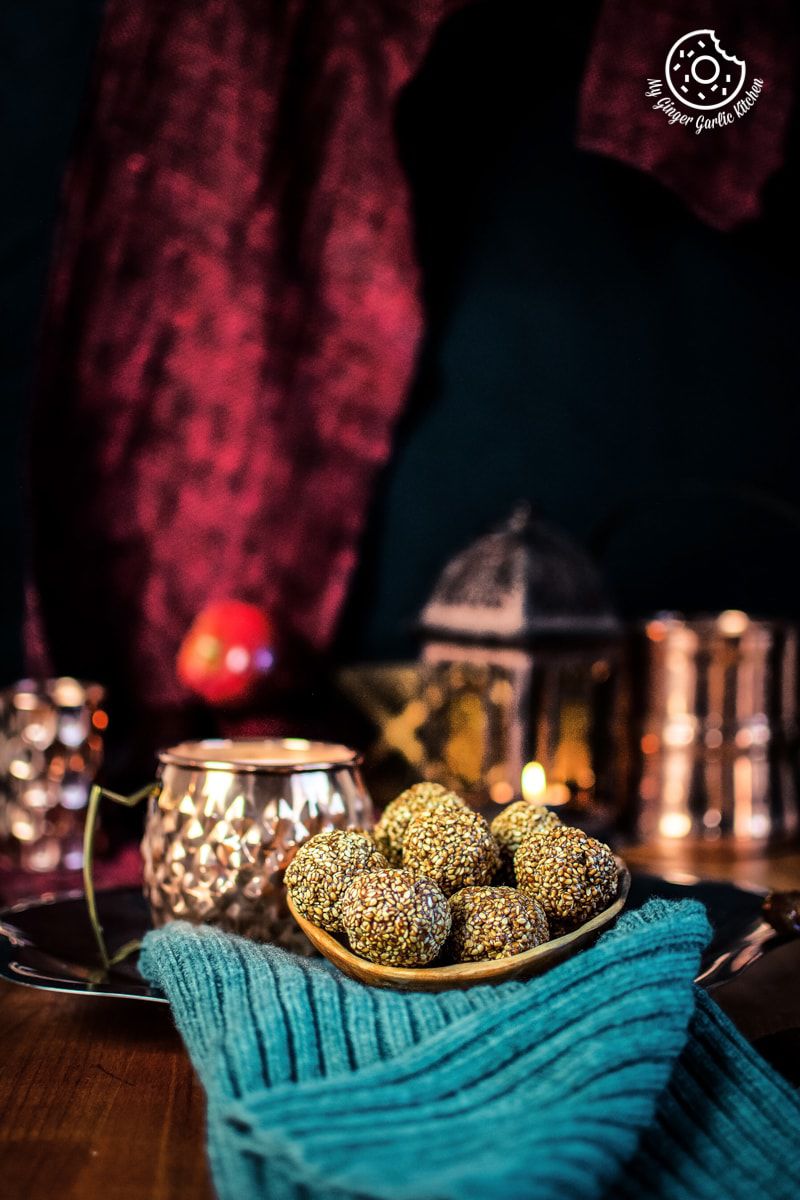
232	323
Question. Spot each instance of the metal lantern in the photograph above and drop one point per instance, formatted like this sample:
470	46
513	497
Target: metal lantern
519	643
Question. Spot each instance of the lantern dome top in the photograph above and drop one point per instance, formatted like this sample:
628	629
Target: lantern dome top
527	580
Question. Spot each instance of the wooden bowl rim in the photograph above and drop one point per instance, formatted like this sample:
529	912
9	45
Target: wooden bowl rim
484	971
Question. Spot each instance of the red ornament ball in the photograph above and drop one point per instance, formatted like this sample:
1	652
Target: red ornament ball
227	651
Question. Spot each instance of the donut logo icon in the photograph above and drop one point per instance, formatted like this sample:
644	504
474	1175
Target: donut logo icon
700	74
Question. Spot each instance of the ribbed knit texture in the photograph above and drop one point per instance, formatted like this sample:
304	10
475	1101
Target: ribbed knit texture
612	1075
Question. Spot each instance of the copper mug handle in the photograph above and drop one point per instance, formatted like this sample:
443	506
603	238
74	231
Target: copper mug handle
95	796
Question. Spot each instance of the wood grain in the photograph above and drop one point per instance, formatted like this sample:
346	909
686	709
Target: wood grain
775	868
98	1101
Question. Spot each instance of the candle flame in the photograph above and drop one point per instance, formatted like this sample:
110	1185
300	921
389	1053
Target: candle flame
534	781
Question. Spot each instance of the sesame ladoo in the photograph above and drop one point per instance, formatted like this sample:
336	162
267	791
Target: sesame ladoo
390	830
572	875
395	919
323	869
494	922
362	833
452	846
514	824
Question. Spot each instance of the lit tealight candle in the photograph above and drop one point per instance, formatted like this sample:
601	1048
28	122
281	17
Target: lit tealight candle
534	781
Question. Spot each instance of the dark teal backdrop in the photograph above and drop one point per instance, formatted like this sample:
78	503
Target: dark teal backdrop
46	51
592	347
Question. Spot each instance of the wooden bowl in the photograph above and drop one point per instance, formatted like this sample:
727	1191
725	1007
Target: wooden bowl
461	975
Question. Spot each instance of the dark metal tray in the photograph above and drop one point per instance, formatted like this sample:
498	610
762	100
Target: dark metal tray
48	943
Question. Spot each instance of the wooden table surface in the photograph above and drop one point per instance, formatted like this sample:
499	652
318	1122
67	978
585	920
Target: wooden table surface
99	1101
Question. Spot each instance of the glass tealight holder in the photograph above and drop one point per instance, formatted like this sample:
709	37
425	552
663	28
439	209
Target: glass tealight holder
51	748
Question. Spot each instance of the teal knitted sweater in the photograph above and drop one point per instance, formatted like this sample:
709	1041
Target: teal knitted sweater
612	1075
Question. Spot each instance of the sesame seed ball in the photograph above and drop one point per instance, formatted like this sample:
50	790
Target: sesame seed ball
453	847
362	833
517	822
494	922
420	798
390	917
572	875
323	869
